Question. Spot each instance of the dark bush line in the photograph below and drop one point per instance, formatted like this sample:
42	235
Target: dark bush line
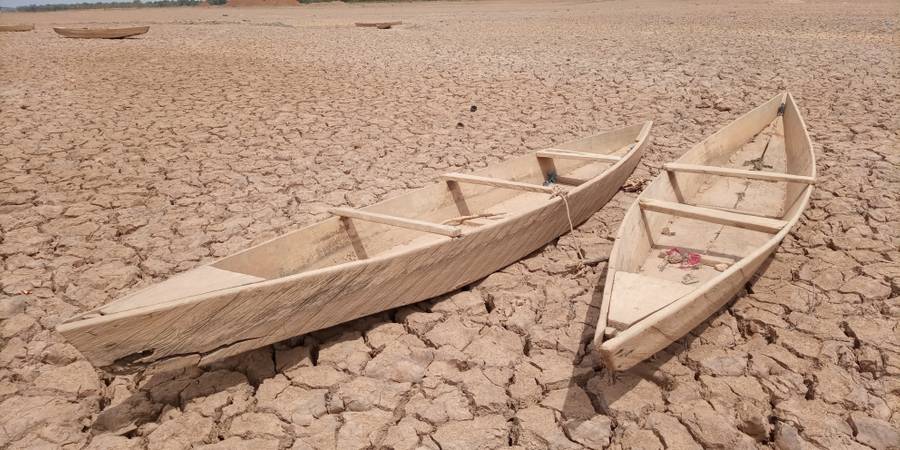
95	5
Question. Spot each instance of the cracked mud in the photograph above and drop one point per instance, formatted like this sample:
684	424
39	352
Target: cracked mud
126	162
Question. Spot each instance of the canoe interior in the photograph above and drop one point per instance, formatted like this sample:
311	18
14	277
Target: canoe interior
337	241
642	283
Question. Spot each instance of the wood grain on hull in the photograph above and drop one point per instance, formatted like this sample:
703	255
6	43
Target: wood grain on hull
640	235
209	327
101	33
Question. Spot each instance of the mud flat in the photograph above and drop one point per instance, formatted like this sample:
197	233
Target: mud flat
125	162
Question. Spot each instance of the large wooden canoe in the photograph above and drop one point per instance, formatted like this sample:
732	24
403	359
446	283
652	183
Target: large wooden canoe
19	27
101	33
361	261
713	207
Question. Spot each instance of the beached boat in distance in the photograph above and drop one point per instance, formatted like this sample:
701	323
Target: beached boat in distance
101	33
361	261
702	228
379	25
19	27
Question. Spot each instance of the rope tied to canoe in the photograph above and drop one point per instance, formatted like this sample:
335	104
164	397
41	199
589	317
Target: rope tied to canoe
557	191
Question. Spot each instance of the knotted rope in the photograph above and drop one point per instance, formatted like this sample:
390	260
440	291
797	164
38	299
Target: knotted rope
557	191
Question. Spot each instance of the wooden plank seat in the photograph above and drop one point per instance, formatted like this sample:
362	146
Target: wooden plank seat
496	182
555	153
732	219
738	173
401	222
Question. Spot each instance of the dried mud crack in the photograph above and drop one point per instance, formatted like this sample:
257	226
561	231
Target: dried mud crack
125	163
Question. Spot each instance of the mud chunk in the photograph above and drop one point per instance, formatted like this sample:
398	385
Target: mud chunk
211	382
537	428
403	436
181	432
316	376
348	352
59	354
572	402
364	393
715	361
592	433
447	404
788	438
711	428
134	411
469	302
451	332
672	432
113	442
11	306
257	425
631	397
868	288
398	362
875	433
21	414
634	437
236	443
19	324
78	379
481	432
496	347
363	429
286	359
383	334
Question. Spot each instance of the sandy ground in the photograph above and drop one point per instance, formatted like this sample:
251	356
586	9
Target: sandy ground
125	162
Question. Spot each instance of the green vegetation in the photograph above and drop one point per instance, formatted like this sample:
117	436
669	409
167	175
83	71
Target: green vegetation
132	4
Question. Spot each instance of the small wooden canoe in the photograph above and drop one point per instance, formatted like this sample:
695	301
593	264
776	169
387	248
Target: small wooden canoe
379	25
702	228
19	27
101	33
361	261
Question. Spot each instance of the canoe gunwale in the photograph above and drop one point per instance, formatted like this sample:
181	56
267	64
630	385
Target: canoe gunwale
644	338
79	325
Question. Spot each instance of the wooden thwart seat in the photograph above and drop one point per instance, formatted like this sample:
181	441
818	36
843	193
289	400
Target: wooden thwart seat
401	222
496	182
555	153
714	215
738	173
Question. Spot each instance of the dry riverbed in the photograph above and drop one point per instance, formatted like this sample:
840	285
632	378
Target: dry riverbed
126	162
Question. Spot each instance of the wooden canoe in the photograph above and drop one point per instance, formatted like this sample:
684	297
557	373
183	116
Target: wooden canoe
379	25
714	207
19	27
101	33
360	261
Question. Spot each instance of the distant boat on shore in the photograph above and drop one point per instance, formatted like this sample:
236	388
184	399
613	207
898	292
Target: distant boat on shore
19	27
101	33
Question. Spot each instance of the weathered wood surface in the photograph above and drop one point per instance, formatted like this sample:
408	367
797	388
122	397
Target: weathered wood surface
101	33
401	222
738	173
563	154
728	218
787	148
495	182
315	277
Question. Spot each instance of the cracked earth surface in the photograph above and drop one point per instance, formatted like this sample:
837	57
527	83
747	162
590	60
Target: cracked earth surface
125	162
